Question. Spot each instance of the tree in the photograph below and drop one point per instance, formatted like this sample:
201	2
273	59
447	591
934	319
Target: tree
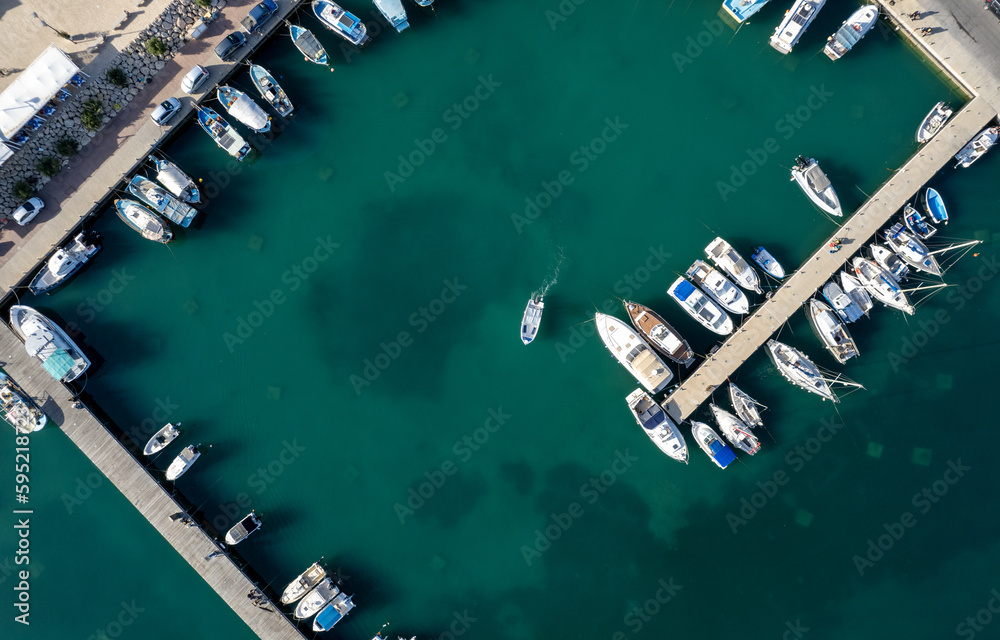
155	46
48	166
117	77
66	147
22	190
91	116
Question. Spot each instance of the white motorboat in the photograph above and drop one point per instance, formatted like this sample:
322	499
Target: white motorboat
47	342
303	583
531	319
633	353
243	108
881	284
732	264
333	612
735	431
183	461
316	599
913	252
842	303
794	24
342	22
890	261
741	10
242	529
663	337
657	425
718	287
977	147
149	225
66	261
851	32
768	263
799	370
394	12
712	444
934	122
162	438
814	183
746	407
18	409
700	307
852	287
831	331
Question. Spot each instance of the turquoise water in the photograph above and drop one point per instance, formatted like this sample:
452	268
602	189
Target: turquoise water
347	340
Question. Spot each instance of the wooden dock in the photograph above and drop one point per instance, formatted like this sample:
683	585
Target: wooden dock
856	231
143	490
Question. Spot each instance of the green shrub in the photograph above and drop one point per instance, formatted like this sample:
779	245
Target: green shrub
22	190
66	147
203	3
155	46
48	166
91	116
117	77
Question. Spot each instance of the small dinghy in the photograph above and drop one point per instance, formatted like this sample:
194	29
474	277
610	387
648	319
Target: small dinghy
663	337
852	287
851	32
66	261
149	225
718	287
977	148
307	44
303	583
242	529
881	284
934	206
735	431
183	462
657	425
934	122
767	262
814	183
713	446
917	224
270	90
532	319
243	108
913	252
161	439
746	407
176	181
843	304
888	260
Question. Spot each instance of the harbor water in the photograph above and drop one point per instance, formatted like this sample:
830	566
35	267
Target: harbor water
340	324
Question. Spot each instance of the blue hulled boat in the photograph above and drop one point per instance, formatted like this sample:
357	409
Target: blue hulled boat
934	205
307	44
224	135
344	23
741	10
916	223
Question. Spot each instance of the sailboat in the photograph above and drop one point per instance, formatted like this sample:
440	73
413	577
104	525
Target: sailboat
735	431
243	108
914	252
841	302
814	183
45	341
633	353
270	90
852	287
307	44
881	284
531	319
176	181
799	370
660	334
831	331
890	261
657	425
746	407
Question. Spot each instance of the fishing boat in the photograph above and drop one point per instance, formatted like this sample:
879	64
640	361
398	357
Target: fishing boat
657	425
161	439
66	261
831	331
333	612
700	307
316	599
303	583
45	341
934	122
732	264
888	260
814	183
794	24
741	10
531	319
917	224
394	12
767	262
243	108
633	353
663	337
242	529
977	147
712	444
149	225
224	135
718	287
160	201
913	252
307	44
735	431
881	284
270	90
183	461
851	32
852	287
799	370
934	206
746	407
18	409
344	23
176	181
843	304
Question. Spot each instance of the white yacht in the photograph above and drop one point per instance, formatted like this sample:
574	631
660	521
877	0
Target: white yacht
799	370
735	431
746	407
911	250
842	303
794	24
890	261
183	461
66	261
633	353
316	599
851	32
732	264
712	444
18	409
831	331
881	284
718	287
977	147
531	319
44	340
333	612
657	425
852	287
814	183
700	307
303	583
663	337
161	439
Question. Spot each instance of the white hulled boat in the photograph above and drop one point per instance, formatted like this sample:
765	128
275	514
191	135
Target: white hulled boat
316	599
851	32
242	529
768	263
794	24
712	444
344	23
881	284
746	407
146	223
663	337
160	201
852	287
735	431
303	583
47	342
66	261
842	303
916	223
814	183
914	252
633	353
934	122
183	461
890	261
394	12
718	287
741	10
831	331
161	439
977	147
227	138
333	612
732	264
532	319
799	370
270	90
176	181
18	409
243	108
657	425
306	42
700	307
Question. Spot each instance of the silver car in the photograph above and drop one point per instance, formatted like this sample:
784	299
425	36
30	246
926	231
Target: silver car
167	110
194	79
27	211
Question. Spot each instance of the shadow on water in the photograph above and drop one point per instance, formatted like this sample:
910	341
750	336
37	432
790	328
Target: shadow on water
519	475
453	501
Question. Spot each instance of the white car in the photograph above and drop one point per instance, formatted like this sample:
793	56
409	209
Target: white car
194	79
27	211
165	111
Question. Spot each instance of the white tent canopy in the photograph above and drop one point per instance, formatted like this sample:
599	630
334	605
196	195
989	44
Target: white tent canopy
33	88
5	153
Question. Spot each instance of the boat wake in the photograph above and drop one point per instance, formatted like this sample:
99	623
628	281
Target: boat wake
553	277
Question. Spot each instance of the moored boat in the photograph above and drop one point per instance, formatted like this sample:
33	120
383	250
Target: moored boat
814	183
977	147
179	465
161	439
657	425
149	225
746	407
65	261
242	529
307	44
394	12
243	108
316	599
934	206
176	181
843	304
18	409
713	446
333	612
881	284
851	32
718	287
913	252
831	331
767	262
270	90
917	224
227	138
742	10
700	307
157	198
424	3
732	264
303	583
934	122
633	353
45	341
890	261
735	431
531	319
342	22
852	287
663	337
794	24
799	370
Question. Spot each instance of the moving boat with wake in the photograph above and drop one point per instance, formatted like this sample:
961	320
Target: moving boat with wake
307	44
881	284
735	431
303	583
633	353
746	407
657	425
149	225
270	90
799	370
344	23
700	307
161	439
176	181
663	337
767	262
66	261
157	198
732	264
914	252
244	109
814	183
180	465
18	409
532	319
45	341
831	331
713	446
794	24
934	122
851	32
977	147
718	287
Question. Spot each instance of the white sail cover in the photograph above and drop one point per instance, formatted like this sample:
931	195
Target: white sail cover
246	111
173	179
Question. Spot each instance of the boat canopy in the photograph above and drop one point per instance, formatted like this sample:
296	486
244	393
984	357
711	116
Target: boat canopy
246	111
721	453
817	179
172	178
683	290
58	363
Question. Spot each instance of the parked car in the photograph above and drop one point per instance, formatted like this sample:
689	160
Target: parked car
229	45
994	6
27	211
167	110
194	79
259	15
